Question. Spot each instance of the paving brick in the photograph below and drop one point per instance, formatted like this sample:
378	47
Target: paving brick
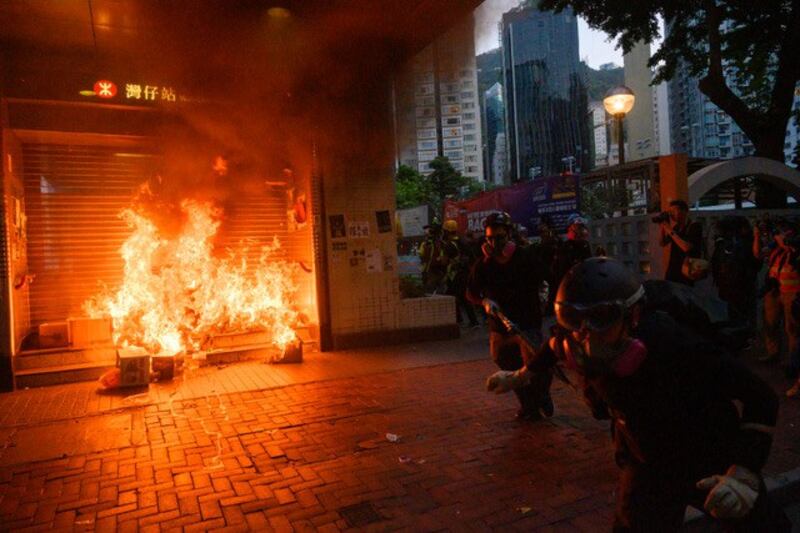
463	462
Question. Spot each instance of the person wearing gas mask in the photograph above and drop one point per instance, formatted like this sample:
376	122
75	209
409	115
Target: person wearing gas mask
573	250
509	277
680	439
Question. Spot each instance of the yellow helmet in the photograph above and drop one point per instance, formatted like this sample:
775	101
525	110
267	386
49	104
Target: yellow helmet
450	225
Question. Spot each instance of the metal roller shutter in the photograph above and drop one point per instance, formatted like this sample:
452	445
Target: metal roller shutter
73	195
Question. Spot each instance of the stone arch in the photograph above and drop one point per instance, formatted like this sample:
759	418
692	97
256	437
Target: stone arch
784	177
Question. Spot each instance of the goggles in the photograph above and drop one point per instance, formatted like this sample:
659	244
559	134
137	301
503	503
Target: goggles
597	316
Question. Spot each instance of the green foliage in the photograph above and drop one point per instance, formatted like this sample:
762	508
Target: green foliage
598	82
442	183
411	287
411	188
753	43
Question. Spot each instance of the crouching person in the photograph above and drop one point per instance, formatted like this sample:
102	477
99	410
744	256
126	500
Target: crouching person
680	439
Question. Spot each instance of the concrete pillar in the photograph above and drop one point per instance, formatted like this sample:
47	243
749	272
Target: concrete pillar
673	179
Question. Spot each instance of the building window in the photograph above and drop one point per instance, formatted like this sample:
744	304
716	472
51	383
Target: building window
452	121
469	137
466	95
468	105
469	126
469	116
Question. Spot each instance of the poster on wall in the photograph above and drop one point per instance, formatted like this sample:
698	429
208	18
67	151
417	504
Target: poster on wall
384	221
337	226
374	261
358	230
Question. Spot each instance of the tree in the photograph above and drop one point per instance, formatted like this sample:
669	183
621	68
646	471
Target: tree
411	188
442	183
754	43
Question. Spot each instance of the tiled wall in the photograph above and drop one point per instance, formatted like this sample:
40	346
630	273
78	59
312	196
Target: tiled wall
635	239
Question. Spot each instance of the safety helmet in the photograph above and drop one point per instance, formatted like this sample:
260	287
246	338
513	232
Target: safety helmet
500	218
576	218
596	293
450	225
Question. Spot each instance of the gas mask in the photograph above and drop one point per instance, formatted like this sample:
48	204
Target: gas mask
582	341
500	247
594	358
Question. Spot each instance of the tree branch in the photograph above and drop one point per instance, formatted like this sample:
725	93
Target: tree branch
788	72
714	85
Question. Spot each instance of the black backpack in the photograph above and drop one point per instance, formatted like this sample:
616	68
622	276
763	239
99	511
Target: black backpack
706	315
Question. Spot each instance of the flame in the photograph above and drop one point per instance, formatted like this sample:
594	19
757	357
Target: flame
176	295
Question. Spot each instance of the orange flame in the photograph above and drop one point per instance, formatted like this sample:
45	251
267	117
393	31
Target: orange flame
176	295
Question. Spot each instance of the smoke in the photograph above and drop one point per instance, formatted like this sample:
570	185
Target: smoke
487	19
264	87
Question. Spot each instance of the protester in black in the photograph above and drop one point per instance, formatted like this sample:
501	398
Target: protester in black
683	239
573	250
509	277
691	426
734	269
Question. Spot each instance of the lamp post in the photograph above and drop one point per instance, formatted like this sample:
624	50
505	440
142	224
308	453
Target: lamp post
618	103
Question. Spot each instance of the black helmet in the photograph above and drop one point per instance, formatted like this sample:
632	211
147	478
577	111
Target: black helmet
501	218
596	293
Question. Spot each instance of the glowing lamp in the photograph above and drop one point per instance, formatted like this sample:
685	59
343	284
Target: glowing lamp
279	13
619	101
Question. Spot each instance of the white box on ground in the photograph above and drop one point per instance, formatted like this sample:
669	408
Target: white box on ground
134	366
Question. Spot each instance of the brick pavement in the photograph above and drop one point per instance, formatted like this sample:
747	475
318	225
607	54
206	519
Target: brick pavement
316	456
299	457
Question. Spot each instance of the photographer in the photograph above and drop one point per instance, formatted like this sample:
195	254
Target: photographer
781	288
683	237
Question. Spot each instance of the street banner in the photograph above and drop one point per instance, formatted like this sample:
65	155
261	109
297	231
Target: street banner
557	197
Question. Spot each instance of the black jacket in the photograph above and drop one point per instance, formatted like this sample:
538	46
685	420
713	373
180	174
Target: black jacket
513	285
678	406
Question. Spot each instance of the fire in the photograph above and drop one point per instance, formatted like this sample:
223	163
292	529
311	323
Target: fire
176	295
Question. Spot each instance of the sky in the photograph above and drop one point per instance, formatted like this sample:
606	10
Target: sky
594	46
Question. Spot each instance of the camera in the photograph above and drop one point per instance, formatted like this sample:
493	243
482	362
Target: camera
660	218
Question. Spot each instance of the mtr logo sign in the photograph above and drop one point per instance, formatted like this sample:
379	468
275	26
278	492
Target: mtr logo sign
105	89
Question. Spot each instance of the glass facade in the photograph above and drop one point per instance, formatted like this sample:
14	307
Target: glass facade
545	98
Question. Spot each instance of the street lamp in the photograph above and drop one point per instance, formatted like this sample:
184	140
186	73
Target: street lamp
618	102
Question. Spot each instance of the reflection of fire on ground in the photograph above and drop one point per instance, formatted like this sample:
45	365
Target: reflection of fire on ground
176	294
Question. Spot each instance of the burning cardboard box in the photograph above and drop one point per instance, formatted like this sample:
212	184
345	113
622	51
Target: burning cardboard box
85	332
53	334
292	353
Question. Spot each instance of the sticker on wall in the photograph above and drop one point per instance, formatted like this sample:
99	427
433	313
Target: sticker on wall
358	230
374	261
384	221
337	226
340	246
388	264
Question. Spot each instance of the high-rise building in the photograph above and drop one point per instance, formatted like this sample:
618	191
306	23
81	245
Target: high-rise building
697	126
545	97
639	122
600	134
661	118
436	105
790	146
494	124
